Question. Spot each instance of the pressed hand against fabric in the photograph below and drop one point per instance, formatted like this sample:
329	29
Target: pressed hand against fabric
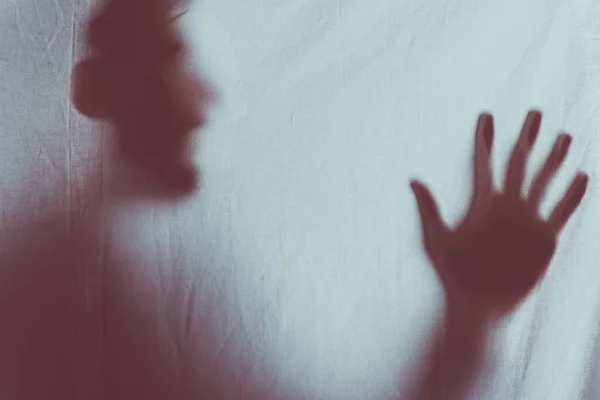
502	247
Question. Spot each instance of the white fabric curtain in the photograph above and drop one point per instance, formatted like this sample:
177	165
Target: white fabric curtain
296	271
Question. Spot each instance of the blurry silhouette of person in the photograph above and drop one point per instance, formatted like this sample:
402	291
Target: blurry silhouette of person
138	79
496	254
58	284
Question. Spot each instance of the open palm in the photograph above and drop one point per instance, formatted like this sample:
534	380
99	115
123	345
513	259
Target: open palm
502	247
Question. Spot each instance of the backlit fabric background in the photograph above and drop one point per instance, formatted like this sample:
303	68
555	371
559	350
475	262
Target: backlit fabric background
296	272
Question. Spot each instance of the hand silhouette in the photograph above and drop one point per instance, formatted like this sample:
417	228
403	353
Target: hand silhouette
502	247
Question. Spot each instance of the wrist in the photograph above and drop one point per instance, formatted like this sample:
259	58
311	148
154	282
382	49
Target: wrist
464	332
461	349
472	313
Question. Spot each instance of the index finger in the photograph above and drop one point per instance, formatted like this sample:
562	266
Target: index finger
484	137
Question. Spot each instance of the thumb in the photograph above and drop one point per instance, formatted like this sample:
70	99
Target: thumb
432	224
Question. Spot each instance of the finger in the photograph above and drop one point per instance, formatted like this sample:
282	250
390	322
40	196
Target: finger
515	174
569	203
431	220
551	165
484	138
